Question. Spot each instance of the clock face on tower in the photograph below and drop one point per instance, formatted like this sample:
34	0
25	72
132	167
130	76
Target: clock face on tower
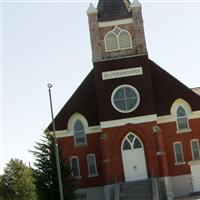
125	98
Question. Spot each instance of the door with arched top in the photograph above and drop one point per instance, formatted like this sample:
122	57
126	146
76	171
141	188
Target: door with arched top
133	157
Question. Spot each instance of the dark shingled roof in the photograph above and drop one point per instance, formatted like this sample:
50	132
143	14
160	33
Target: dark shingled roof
167	89
113	10
160	89
83	101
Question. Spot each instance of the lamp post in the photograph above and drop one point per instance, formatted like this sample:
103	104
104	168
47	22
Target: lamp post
55	145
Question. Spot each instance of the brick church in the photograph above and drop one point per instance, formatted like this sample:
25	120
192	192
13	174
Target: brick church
129	122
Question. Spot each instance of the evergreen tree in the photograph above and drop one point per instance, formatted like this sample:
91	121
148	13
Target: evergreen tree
46	172
17	182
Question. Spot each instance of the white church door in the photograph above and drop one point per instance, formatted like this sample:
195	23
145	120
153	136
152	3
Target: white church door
133	157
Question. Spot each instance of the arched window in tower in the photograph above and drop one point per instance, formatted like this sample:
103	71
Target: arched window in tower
124	40
117	39
79	133
182	121
111	42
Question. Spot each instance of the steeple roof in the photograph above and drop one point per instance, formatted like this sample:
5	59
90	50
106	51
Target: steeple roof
113	10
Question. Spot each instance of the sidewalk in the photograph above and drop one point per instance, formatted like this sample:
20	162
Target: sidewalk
189	198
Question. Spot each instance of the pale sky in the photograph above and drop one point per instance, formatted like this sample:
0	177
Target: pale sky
46	41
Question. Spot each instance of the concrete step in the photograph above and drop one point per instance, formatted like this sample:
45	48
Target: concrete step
136	190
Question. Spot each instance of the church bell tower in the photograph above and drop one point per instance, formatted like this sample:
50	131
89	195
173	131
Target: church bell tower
116	29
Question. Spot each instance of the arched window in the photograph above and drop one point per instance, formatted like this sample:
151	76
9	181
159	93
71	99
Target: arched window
131	142
125	98
182	121
111	42
79	132
117	39
124	40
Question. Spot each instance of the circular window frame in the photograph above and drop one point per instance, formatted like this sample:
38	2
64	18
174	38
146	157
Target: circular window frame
134	107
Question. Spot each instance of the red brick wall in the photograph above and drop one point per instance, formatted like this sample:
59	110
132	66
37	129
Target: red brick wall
68	149
109	151
170	136
114	169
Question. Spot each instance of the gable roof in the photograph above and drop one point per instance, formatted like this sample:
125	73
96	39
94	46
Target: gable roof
83	101
167	89
113	10
157	93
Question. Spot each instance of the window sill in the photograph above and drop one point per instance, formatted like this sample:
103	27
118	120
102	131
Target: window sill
180	163
81	145
95	175
187	130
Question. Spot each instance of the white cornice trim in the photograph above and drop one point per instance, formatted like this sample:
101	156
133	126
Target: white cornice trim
68	133
132	120
115	22
165	119
170	118
194	115
121	122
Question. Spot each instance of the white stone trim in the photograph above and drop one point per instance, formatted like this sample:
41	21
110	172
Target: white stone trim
115	22
68	133
165	119
185	130
91	10
194	140
175	156
117	36
121	122
186	106
122	73
135	3
194	115
137	95
180	102
77	160
170	118
132	120
132	143
95	164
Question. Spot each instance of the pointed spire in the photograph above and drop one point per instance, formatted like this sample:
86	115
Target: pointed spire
91	10
109	10
135	3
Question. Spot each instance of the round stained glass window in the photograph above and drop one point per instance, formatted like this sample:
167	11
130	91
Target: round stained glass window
125	98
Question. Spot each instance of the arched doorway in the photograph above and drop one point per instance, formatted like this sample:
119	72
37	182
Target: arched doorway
133	157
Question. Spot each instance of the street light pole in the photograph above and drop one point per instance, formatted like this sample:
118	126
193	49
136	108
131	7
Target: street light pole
56	146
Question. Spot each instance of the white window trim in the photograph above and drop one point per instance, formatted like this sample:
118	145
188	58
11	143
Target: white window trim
117	36
137	94
192	148
183	130
92	175
85	135
135	137
186	106
76	157
176	162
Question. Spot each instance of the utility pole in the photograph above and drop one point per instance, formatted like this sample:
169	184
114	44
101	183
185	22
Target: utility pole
56	146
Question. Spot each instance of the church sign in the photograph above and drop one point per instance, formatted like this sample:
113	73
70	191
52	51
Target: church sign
122	73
